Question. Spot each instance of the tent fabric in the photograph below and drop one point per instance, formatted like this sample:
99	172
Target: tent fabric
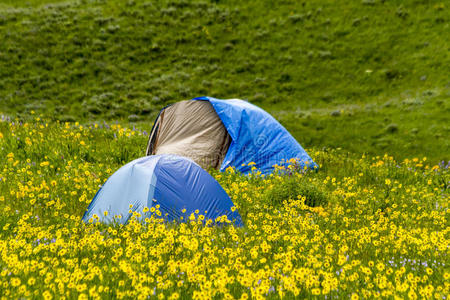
170	181
194	130
256	137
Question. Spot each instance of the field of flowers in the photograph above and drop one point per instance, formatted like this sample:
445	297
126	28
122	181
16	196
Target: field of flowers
378	227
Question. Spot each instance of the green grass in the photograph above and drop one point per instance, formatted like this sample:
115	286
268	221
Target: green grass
381	62
414	126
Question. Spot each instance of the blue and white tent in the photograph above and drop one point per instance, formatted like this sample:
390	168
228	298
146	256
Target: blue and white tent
225	133
176	186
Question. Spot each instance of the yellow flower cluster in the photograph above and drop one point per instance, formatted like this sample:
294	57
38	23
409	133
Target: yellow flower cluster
383	232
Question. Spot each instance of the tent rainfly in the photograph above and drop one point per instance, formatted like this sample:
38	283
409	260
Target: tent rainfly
225	133
175	187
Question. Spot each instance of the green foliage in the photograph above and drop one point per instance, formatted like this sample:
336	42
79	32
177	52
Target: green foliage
414	127
335	73
292	187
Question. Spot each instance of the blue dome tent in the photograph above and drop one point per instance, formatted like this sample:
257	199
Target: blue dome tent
178	185
225	133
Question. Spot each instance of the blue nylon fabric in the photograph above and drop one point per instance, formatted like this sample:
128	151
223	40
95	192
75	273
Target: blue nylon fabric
182	184
173	182
256	137
131	184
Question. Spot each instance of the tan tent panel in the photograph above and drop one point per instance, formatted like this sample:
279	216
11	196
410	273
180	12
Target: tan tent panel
191	129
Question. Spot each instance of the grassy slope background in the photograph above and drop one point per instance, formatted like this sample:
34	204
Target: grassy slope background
367	76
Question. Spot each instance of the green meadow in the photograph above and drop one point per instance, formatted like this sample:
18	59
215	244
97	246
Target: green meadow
359	228
366	76
363	85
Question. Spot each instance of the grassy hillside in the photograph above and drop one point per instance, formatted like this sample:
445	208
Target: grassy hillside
367	76
381	228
